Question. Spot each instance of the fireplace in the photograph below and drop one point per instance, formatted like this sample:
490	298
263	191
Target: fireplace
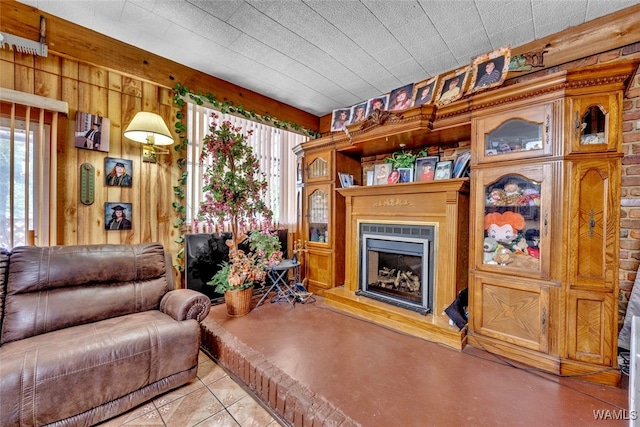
397	264
434	215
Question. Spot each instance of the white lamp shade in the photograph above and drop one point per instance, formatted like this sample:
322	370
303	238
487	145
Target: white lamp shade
148	128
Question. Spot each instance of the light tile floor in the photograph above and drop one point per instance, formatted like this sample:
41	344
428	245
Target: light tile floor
212	399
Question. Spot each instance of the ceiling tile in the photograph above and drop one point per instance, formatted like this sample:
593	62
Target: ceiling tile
596	9
221	9
135	16
506	15
470	45
519	35
184	13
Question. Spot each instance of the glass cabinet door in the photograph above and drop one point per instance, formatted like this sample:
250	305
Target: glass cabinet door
522	133
589	129
318	216
318	167
516	220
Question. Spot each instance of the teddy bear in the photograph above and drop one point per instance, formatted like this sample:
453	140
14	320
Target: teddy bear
490	246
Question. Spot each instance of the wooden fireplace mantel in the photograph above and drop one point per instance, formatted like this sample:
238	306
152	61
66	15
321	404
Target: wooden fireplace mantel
444	204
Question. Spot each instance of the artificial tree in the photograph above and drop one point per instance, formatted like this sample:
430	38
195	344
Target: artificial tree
234	191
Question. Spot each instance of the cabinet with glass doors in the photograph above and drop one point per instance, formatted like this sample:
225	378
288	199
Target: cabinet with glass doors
546	174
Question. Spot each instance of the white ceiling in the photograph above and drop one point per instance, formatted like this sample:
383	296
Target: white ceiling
319	55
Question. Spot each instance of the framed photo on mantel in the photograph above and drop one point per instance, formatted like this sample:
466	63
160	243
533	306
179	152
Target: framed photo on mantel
426	168
443	170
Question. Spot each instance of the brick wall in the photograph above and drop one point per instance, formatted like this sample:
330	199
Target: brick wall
630	203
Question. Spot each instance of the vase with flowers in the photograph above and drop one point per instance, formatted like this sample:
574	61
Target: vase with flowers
234	192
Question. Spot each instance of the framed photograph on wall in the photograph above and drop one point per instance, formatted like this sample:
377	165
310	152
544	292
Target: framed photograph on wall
378	103
489	70
443	170
92	132
118	172
423	92
381	173
452	85
400	98
117	216
425	168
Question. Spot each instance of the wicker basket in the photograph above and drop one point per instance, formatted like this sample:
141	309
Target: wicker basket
238	301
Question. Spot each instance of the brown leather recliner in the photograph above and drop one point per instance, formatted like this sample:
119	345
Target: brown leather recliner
89	332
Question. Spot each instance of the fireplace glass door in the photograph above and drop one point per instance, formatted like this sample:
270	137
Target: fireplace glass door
397	267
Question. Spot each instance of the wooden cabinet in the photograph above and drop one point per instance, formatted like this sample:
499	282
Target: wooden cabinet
319	201
524	134
545	222
593	123
514	207
319	166
515	312
323	215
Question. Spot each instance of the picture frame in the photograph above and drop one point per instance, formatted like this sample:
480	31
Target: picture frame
381	173
382	100
370	177
452	85
358	113
420	97
406	175
117	216
92	132
461	163
367	173
490	69
425	168
346	180
400	98
443	170
340	118
118	172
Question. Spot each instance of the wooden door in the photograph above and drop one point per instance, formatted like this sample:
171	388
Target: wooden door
593	260
513	311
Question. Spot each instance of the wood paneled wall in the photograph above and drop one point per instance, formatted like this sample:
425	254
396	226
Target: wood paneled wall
106	93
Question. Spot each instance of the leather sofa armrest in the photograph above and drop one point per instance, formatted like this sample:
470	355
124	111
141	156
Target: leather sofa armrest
185	304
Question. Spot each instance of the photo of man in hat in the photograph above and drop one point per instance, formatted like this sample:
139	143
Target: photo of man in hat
92	132
118	175
118	219
92	137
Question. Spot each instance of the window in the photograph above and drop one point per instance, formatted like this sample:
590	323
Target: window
24	199
273	148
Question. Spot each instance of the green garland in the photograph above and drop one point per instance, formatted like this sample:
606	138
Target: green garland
179	93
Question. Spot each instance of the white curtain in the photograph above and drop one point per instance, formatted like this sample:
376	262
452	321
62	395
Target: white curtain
273	148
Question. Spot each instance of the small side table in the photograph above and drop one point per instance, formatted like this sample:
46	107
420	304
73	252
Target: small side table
279	282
